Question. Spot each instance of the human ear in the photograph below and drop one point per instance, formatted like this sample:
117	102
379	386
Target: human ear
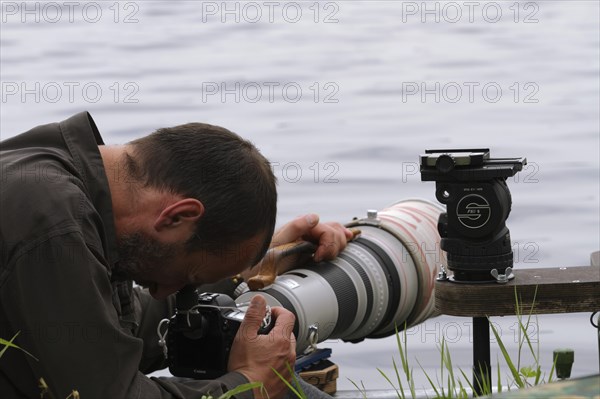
183	212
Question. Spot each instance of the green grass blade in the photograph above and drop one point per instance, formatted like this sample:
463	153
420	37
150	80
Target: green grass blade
524	328
402	349
389	381
400	385
552	370
302	393
411	384
529	344
499	377
520	323
467	380
524	336
508	384
462	393
509	362
362	391
448	361
296	383
433	386
538	375
298	392
442	364
10	344
241	388
486	388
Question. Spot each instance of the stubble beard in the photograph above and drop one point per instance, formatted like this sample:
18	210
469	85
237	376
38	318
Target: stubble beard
140	256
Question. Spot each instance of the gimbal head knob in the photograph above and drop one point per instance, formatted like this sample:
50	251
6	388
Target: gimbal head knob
445	163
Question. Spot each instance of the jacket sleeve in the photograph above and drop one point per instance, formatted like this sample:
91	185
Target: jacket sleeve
62	285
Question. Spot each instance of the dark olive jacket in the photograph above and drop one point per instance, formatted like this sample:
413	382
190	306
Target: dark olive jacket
83	330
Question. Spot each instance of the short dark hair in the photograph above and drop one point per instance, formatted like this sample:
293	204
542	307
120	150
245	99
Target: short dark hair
225	172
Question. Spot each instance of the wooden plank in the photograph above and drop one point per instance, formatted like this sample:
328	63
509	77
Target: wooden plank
559	290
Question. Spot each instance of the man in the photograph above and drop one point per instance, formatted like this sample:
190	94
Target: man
193	204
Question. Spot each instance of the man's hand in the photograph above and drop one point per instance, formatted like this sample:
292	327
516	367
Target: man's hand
256	355
331	237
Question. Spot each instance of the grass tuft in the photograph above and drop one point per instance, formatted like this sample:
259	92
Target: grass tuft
450	385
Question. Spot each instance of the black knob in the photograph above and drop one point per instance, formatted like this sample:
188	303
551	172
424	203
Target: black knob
445	163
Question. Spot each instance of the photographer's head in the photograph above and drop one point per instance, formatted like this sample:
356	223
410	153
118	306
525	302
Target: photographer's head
199	204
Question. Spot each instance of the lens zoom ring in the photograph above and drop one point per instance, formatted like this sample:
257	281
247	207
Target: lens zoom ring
367	283
345	293
391	275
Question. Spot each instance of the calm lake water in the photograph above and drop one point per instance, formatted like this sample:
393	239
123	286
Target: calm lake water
342	97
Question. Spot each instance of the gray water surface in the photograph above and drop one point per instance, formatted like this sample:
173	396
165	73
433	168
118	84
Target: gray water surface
343	96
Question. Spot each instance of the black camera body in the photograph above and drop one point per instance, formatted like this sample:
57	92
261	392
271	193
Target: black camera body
201	334
202	331
473	231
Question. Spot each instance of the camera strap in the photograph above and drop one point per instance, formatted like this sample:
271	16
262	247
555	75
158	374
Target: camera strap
162	338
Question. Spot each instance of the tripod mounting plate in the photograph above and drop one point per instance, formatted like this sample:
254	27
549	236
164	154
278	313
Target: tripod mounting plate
467	165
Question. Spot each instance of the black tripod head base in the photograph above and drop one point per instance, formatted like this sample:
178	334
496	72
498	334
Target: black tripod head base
477	269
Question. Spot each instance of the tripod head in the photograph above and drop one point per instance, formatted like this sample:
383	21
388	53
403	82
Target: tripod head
473	187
